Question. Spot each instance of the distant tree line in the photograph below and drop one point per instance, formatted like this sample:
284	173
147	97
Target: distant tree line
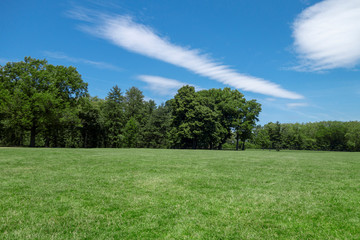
326	136
46	105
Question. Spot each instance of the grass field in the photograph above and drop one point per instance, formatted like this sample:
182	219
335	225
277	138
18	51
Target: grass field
178	194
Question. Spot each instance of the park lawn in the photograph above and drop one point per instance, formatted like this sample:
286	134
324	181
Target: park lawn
178	194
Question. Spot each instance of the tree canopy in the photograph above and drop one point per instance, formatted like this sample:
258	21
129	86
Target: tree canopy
38	97
46	105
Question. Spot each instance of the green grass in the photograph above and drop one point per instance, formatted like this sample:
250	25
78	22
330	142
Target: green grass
178	194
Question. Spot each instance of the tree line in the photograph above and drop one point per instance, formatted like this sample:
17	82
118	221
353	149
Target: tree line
46	105
325	135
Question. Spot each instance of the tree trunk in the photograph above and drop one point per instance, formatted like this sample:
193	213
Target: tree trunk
194	144
33	134
21	140
237	141
243	146
85	140
56	139
47	141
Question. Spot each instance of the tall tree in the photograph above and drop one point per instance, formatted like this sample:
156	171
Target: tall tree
184	131
246	121
92	122
353	136
226	103
38	91
114	117
274	132
156	131
131	133
206	119
134	104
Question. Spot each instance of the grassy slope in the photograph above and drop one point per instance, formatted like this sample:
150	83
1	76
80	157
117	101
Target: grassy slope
167	194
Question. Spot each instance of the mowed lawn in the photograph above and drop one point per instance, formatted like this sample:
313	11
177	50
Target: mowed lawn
178	194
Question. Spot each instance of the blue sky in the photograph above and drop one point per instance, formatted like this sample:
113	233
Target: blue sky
299	59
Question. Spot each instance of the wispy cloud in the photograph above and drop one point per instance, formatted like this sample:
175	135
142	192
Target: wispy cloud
63	56
307	2
124	32
270	99
296	105
327	35
161	85
281	109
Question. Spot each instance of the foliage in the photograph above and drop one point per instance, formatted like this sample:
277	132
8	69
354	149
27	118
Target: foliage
131	133
157	128
208	118
46	105
326	135
35	97
92	122
114	117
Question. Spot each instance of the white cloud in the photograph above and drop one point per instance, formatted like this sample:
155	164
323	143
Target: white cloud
270	99
124	32
161	85
327	35
306	2
295	105
62	56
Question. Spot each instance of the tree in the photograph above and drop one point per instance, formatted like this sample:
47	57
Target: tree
114	117
245	121
37	92
183	131
157	128
195	123
131	133
353	136
134	104
92	122
206	119
274	132
226	103
261	137
292	136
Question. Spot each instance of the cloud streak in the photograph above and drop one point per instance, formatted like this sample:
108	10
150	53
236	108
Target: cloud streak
161	85
327	35
296	105
138	38
62	56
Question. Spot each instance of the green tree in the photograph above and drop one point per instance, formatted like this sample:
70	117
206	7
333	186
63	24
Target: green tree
114	117
227	104
157	128
274	132
192	119
36	93
261	137
353	136
134	104
245	121
206	119
92	123
182	105
131	133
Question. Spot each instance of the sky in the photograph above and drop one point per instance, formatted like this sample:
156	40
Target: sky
300	59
